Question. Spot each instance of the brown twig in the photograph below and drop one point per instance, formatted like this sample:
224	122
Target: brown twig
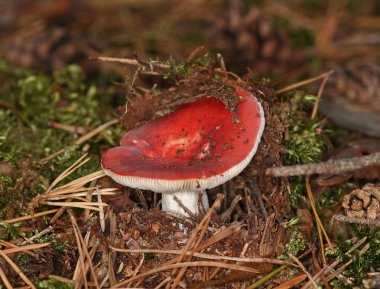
67	127
228	212
133	62
38	235
319	95
303	82
329	167
228	231
186	209
204	223
353	220
207	256
112	255
304	270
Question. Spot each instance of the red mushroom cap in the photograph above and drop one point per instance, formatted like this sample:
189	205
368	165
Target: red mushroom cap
198	146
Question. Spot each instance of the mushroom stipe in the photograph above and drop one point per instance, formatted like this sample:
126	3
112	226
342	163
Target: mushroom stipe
198	146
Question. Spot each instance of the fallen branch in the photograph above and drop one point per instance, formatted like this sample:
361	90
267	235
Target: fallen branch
353	220
304	82
329	167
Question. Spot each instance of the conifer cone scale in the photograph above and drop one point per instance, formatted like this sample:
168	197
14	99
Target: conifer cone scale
363	203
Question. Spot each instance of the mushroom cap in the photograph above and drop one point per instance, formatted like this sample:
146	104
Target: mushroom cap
198	146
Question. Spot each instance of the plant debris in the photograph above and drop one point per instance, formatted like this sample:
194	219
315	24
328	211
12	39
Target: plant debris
303	214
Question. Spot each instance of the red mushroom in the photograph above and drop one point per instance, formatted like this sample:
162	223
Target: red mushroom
199	146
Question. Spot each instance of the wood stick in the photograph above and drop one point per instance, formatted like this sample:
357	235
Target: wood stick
329	167
353	220
133	62
302	83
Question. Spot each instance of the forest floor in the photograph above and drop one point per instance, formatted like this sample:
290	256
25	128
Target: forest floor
76	75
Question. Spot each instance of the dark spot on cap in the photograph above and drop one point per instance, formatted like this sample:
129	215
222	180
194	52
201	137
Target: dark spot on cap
224	147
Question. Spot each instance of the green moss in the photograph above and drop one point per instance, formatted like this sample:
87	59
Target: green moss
297	193
56	244
175	67
53	284
362	264
305	144
32	100
294	246
333	194
10	231
29	101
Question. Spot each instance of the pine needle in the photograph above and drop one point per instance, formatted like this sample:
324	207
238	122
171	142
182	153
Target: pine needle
207	256
18	270
28	217
24	248
5	280
188	264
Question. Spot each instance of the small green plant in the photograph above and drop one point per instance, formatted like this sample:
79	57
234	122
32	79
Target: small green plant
294	246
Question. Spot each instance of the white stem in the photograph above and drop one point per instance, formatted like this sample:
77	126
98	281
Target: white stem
188	199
